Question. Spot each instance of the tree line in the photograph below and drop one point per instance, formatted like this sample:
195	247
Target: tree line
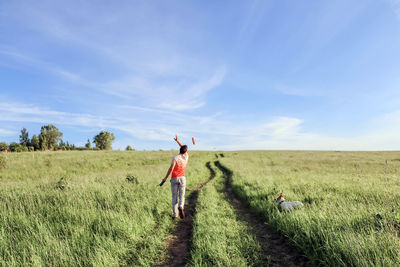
50	138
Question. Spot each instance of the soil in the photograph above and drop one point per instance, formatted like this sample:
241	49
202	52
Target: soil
179	245
274	246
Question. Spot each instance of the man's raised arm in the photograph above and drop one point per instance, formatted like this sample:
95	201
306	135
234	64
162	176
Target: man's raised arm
179	142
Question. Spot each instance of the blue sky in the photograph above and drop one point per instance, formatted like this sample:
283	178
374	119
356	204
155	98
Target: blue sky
233	74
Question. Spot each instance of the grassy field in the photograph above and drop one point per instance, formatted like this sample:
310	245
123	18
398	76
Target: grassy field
352	213
79	208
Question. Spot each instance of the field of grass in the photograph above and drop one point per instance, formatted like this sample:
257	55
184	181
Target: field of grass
352	213
79	208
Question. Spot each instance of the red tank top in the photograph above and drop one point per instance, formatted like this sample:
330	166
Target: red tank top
181	161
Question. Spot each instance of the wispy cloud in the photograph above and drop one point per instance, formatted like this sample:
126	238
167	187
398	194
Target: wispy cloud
280	127
295	137
5	132
29	113
24	60
216	131
153	74
148	69
182	93
300	91
395	4
188	96
140	127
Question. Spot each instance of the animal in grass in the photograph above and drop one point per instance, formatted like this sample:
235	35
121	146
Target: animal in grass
288	205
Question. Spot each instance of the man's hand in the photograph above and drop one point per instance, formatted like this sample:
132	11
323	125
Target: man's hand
176	139
163	181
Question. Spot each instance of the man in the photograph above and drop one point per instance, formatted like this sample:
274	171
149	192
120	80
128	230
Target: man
178	179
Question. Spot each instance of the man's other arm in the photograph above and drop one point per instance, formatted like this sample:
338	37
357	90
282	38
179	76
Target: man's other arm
169	171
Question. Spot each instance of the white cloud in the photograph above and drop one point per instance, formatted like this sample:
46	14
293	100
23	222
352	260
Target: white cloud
5	132
30	113
301	91
42	65
395	4
157	75
192	97
182	93
280	127
155	70
216	131
167	124
288	133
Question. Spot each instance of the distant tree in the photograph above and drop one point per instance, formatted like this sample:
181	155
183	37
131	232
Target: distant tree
129	148
15	147
4	146
104	140
35	142
49	137
88	144
61	145
24	137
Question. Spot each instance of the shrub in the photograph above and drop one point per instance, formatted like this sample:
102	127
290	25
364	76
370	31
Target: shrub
129	148
61	184
132	179
4	146
47	162
15	147
3	162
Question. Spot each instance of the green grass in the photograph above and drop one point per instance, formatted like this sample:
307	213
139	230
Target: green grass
220	239
352	213
78	208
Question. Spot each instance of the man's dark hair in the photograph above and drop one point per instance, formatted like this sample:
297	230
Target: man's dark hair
183	149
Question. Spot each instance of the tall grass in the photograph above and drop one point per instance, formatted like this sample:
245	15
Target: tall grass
352	213
78	208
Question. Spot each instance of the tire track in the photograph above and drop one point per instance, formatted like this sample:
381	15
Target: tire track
179	245
274	245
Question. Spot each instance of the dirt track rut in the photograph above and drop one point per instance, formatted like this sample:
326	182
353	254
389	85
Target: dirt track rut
179	244
274	245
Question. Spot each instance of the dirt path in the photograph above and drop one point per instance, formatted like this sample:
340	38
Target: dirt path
274	245
179	245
